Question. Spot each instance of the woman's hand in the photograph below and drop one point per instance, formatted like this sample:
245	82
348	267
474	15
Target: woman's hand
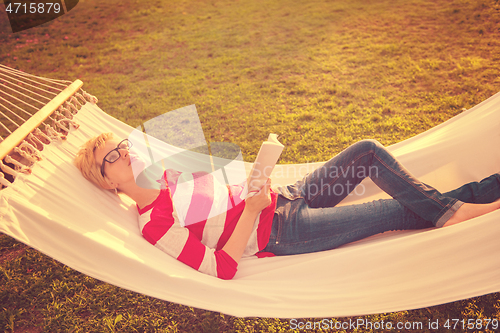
254	204
260	200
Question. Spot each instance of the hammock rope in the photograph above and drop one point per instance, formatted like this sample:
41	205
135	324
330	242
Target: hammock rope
22	97
30	91
18	73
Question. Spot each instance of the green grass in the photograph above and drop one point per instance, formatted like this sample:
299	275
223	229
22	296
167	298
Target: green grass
320	73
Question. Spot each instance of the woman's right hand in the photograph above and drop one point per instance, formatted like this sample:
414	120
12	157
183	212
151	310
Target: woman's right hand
260	200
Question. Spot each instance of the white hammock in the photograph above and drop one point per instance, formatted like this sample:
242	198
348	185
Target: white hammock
58	212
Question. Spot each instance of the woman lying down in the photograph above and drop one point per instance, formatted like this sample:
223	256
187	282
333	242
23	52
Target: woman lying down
210	226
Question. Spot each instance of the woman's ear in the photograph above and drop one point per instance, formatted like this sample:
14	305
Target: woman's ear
114	186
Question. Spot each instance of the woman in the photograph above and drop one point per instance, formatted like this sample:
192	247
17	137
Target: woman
210	227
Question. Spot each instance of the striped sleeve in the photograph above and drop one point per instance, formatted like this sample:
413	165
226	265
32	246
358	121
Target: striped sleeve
161	227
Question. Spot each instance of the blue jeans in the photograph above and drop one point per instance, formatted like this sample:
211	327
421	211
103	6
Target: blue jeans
306	219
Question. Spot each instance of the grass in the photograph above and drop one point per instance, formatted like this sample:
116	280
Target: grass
320	73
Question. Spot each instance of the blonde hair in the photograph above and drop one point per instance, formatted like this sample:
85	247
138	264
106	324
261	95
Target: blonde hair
85	160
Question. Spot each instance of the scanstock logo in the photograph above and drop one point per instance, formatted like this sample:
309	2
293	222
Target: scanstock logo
25	14
175	140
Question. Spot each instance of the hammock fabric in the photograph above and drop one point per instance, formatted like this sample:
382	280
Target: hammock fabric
58	212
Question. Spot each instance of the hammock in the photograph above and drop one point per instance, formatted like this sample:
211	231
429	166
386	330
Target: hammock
56	211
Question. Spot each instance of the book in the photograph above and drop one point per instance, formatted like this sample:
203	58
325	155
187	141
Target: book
268	155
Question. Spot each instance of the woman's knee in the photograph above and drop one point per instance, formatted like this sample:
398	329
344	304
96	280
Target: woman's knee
367	145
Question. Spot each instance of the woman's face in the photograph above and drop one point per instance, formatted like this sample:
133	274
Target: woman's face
120	171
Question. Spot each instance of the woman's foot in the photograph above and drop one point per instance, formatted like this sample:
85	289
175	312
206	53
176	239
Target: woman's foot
469	211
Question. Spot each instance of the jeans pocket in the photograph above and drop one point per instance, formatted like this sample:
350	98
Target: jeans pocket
291	192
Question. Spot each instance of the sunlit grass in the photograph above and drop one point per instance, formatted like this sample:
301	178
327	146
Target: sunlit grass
322	74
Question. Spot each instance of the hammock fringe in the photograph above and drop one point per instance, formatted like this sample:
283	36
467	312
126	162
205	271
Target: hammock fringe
22	157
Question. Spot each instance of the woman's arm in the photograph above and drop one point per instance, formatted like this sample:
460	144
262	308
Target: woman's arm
162	229
235	246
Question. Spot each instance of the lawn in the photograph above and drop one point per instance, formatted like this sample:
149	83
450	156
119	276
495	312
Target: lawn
321	73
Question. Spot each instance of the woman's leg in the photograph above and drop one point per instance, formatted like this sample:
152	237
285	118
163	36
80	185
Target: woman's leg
329	184
482	192
479	197
299	228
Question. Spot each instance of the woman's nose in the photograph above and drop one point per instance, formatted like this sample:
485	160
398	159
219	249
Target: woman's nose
123	152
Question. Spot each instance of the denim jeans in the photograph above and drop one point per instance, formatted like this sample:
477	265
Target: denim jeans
306	219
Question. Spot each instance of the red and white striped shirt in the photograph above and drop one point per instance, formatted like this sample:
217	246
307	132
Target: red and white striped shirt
193	218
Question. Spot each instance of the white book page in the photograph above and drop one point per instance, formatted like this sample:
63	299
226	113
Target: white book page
267	157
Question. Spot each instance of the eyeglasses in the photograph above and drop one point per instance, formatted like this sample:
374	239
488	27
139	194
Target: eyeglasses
114	154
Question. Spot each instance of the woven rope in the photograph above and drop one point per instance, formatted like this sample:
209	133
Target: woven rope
21	96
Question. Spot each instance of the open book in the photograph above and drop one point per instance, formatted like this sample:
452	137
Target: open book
267	157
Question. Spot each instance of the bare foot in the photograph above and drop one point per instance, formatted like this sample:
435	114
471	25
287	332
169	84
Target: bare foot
468	211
